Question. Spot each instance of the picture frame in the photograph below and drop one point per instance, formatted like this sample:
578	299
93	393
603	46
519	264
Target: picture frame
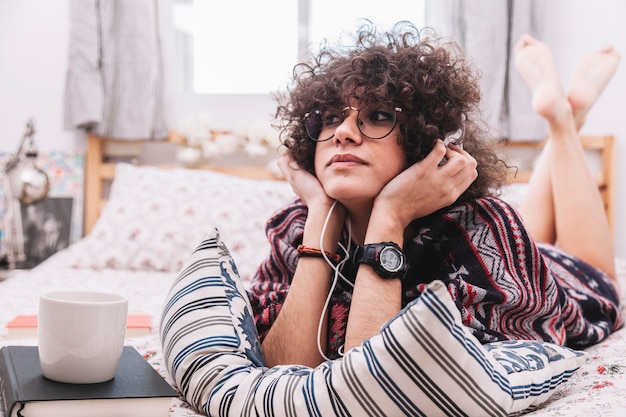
47	228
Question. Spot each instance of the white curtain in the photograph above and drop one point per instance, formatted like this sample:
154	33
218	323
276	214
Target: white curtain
114	82
488	31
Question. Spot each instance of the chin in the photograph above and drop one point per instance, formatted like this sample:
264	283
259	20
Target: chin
343	191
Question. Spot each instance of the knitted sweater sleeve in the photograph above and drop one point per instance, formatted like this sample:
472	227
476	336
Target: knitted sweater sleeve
271	282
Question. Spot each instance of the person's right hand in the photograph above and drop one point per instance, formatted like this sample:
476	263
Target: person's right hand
304	184
293	338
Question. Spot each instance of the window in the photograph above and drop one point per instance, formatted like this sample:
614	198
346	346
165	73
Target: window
251	46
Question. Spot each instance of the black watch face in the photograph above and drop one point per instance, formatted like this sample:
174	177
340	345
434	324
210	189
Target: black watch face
390	259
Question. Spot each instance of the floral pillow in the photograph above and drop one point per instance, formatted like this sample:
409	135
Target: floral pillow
423	362
156	217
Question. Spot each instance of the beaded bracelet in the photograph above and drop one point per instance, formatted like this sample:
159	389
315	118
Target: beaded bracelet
317	253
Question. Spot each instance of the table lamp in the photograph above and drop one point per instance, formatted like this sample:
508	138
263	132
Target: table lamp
22	181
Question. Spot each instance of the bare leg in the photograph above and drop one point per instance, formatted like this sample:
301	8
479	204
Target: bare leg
563	201
533	61
591	76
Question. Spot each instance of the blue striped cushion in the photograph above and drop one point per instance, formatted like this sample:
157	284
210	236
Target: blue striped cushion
423	362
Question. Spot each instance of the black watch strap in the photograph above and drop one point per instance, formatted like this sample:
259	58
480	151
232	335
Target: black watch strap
386	258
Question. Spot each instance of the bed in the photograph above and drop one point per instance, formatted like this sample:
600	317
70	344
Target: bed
141	225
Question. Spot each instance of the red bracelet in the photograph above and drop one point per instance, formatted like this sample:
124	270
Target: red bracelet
317	253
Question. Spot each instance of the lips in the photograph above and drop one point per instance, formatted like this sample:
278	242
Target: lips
346	158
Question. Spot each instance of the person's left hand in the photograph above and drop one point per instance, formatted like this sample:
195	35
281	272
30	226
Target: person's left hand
427	185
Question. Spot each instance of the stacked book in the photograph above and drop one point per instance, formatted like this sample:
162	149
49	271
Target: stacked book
136	390
25	326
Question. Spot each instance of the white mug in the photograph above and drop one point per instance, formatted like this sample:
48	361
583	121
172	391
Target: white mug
81	335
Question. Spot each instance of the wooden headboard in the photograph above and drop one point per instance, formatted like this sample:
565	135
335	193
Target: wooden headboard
100	168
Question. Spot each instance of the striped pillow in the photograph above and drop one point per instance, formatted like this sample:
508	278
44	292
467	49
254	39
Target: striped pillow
423	362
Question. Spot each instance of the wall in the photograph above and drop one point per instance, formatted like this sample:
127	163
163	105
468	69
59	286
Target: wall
33	51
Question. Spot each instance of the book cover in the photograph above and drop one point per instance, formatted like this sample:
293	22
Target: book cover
22	327
25	326
137	389
138	325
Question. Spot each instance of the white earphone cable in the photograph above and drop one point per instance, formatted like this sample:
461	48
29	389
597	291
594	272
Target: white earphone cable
336	275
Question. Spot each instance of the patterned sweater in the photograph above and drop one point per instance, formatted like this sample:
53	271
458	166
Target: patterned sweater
505	285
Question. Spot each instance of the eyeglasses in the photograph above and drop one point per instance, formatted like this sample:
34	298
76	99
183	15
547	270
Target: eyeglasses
321	124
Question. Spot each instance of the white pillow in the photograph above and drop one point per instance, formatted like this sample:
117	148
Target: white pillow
155	218
424	361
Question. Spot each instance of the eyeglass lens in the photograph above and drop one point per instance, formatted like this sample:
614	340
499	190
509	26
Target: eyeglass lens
321	124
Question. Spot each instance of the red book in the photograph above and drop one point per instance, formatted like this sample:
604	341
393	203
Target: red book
138	325
25	326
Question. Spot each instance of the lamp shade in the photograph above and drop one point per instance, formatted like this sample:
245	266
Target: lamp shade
29	184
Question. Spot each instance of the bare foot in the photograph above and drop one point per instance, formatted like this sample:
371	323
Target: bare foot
533	60
589	79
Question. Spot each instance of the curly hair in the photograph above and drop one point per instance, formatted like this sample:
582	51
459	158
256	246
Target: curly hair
427	76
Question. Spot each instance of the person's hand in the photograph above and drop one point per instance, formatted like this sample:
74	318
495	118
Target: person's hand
428	185
304	184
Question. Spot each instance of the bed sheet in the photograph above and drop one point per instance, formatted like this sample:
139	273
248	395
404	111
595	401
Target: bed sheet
598	388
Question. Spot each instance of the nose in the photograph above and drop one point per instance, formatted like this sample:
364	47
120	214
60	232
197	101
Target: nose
348	130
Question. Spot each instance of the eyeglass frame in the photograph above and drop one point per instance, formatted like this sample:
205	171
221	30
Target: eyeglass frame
395	123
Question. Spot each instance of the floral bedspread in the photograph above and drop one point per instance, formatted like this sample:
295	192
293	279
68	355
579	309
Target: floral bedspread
599	386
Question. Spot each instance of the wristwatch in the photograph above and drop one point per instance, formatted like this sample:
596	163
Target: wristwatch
386	258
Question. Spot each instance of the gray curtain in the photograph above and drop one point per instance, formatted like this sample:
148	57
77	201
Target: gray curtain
488	30
114	81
